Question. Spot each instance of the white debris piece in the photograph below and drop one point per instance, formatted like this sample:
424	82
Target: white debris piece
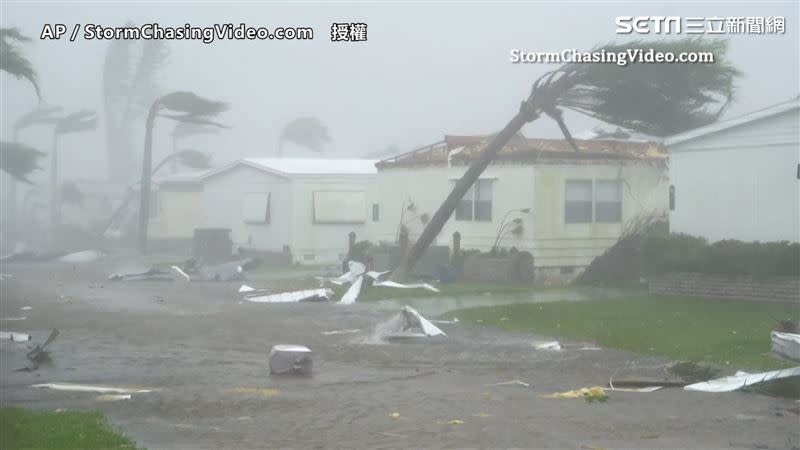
446	322
786	345
290	359
290	297
13	318
413	318
394	284
551	345
112	397
246	288
335	332
645	390
375	275
89	388
180	273
742	379
14	336
355	270
352	293
26	308
82	257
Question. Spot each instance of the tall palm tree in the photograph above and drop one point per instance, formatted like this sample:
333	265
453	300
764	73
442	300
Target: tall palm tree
655	99
308	132
43	115
12	60
185	107
77	122
19	160
129	86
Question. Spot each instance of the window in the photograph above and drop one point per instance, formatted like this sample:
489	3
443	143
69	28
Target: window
257	208
586	201
608	201
578	201
376	212
477	203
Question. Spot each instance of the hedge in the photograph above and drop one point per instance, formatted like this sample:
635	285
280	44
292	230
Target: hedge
679	252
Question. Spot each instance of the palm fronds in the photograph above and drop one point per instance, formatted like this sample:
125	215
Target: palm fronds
13	61
43	115
651	98
83	120
19	160
184	129
308	132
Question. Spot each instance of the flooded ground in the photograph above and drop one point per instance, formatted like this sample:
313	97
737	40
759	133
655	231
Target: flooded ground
205	355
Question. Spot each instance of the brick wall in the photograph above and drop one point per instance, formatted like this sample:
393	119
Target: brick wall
778	289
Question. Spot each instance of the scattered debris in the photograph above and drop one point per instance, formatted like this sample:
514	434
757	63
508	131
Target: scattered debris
150	274
85	256
89	388
26	308
352	293
394	284
551	345
785	345
591	394
514	383
290	359
307	295
643	383
112	397
11	319
414	327
741	380
246	288
14	336
335	332
456	422
179	273
395	415
263	392
39	353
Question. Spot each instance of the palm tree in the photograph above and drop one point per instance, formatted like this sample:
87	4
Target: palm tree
77	122
19	160
655	99
129	85
12	60
308	132
185	107
42	115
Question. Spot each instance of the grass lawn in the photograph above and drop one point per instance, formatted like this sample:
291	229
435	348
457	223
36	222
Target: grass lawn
24	429
723	332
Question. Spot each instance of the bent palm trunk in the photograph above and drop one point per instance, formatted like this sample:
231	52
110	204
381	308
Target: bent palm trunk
442	215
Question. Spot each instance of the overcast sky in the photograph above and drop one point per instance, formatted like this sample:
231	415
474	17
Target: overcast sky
425	71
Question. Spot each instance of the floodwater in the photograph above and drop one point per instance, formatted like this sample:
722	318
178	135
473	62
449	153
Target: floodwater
203	352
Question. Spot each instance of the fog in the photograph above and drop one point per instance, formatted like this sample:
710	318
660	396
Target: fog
425	71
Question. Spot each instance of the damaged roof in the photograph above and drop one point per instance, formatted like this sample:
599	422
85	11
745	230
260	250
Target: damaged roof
463	150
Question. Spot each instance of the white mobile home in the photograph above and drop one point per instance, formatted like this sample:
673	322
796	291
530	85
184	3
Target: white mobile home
304	206
566	206
739	178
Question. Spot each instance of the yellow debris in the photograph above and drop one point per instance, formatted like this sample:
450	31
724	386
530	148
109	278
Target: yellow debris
456	422
591	394
264	392
395	415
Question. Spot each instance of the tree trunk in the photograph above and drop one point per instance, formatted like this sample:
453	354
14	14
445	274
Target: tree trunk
55	201
144	187
11	223
173	162
439	219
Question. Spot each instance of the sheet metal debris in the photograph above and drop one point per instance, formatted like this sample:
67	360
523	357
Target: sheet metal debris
785	345
13	336
85	256
353	292
741	380
336	332
394	284
246	288
112	397
150	274
412	327
290	359
12	319
550	345
39	353
70	387
320	294
514	383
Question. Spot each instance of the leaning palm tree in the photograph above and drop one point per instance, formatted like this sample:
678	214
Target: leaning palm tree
656	99
76	122
185	107
19	160
12	60
43	115
308	132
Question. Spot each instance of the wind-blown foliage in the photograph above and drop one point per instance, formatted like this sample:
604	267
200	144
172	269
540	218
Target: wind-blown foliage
19	160
43	115
13	61
185	129
84	120
308	132
655	99
128	90
190	106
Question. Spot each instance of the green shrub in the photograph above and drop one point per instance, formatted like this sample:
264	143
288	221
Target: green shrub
683	253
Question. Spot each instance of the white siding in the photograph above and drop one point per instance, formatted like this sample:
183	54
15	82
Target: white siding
740	183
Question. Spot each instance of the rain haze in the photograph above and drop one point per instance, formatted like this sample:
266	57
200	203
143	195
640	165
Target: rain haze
423	227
